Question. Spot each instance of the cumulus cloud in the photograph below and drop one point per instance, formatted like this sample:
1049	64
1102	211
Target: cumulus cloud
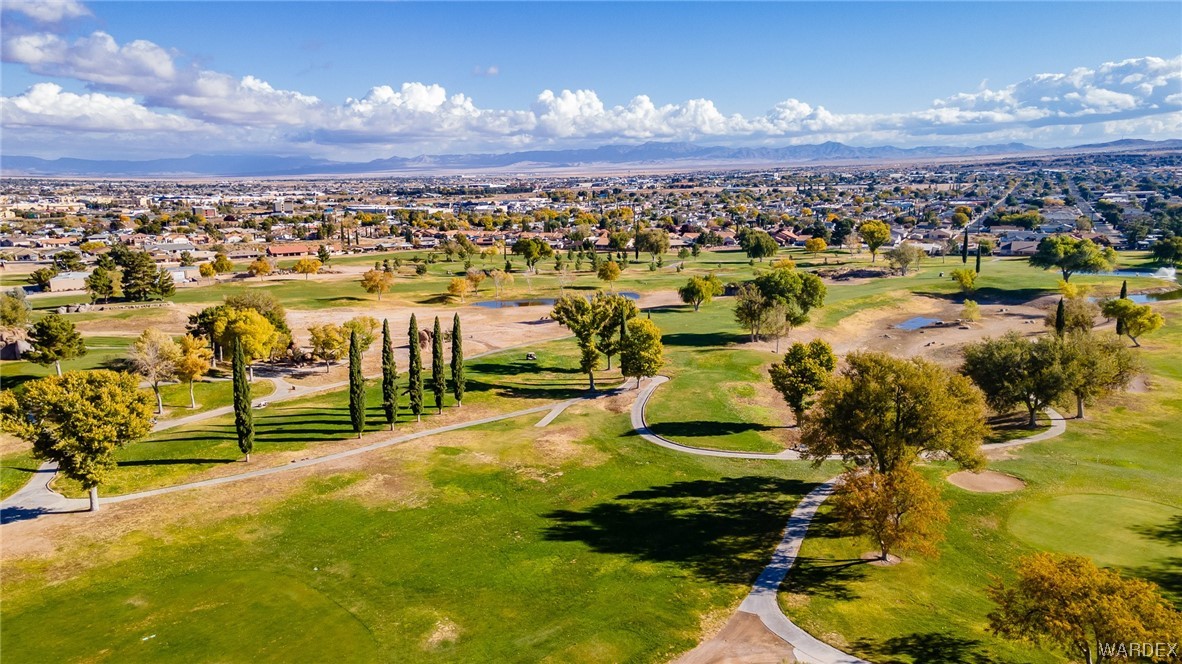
1142	95
47	105
47	11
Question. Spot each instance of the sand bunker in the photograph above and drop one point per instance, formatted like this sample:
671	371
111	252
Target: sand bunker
986	481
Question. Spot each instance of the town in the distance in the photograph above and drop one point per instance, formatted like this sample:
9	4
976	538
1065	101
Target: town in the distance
922	411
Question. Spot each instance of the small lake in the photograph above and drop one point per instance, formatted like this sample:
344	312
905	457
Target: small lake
1160	273
916	323
537	301
1145	298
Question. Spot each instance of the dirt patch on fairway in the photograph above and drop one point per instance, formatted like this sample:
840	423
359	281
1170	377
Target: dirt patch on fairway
387	490
986	481
445	631
1140	384
557	446
743	640
10	444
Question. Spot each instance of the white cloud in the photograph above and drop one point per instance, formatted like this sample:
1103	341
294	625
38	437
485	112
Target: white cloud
486	72
1142	95
47	11
47	105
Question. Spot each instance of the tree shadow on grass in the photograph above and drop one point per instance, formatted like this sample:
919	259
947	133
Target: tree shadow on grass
925	647
720	530
518	368
1169	532
990	295
700	428
1166	573
702	339
531	390
172	462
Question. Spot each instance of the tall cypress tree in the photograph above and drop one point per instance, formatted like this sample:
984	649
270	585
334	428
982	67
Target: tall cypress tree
243	418
356	386
1124	294
964	248
438	378
414	387
457	361
389	377
978	258
1061	318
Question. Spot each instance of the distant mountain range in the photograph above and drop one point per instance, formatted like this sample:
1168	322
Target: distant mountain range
645	155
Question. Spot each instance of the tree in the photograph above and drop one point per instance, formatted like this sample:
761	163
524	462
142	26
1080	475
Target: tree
1076	312
609	272
207	271
356	386
501	281
474	276
42	277
377	281
261	267
68	261
14	309
414	388
457	361
243	417
965	278
652	241
1094	366
885	411
100	284
971	311
308	266
54	339
533	250
621	310
163	286
389	377
323	255
1060	320
801	292
803	372
78	420
264	303
458	287
977	269
154	355
815	246
1085	610
752	310
1134	320
438	377
247	327
875	234
1012	371
960	219
222	264
699	290
193	363
141	278
758	244
328	343
366	329
1073	255
895	510
904	256
641	351
585	320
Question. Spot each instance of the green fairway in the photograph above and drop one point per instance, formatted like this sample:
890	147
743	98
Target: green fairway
209	395
101	353
1107	489
15	470
574	543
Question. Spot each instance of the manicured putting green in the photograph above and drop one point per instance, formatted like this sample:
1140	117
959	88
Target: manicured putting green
1111	530
250	616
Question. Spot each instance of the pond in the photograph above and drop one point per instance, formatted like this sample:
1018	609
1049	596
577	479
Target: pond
917	323
537	301
1160	273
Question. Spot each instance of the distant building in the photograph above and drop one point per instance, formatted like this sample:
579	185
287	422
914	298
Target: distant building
68	281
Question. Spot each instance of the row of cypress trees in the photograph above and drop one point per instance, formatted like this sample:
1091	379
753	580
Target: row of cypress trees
244	419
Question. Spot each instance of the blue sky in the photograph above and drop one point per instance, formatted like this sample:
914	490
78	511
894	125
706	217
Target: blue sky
371	79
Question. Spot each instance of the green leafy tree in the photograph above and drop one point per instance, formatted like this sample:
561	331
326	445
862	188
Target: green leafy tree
532	250
584	319
389	377
965	278
652	241
1094	366
458	382
1072	255
243	417
1013	371
885	411
1081	608
356	386
904	256
68	261
329	343
875	234
100	284
42	277
700	290
752	310
163	285
758	244
622	310
414	388
1134	320
79	420
222	264
366	329
895	510
803	372
54	338
141	277
323	255
1075	313
14	309
641	352
438	370
608	271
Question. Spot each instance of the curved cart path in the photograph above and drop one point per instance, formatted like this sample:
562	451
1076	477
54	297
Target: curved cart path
762	600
